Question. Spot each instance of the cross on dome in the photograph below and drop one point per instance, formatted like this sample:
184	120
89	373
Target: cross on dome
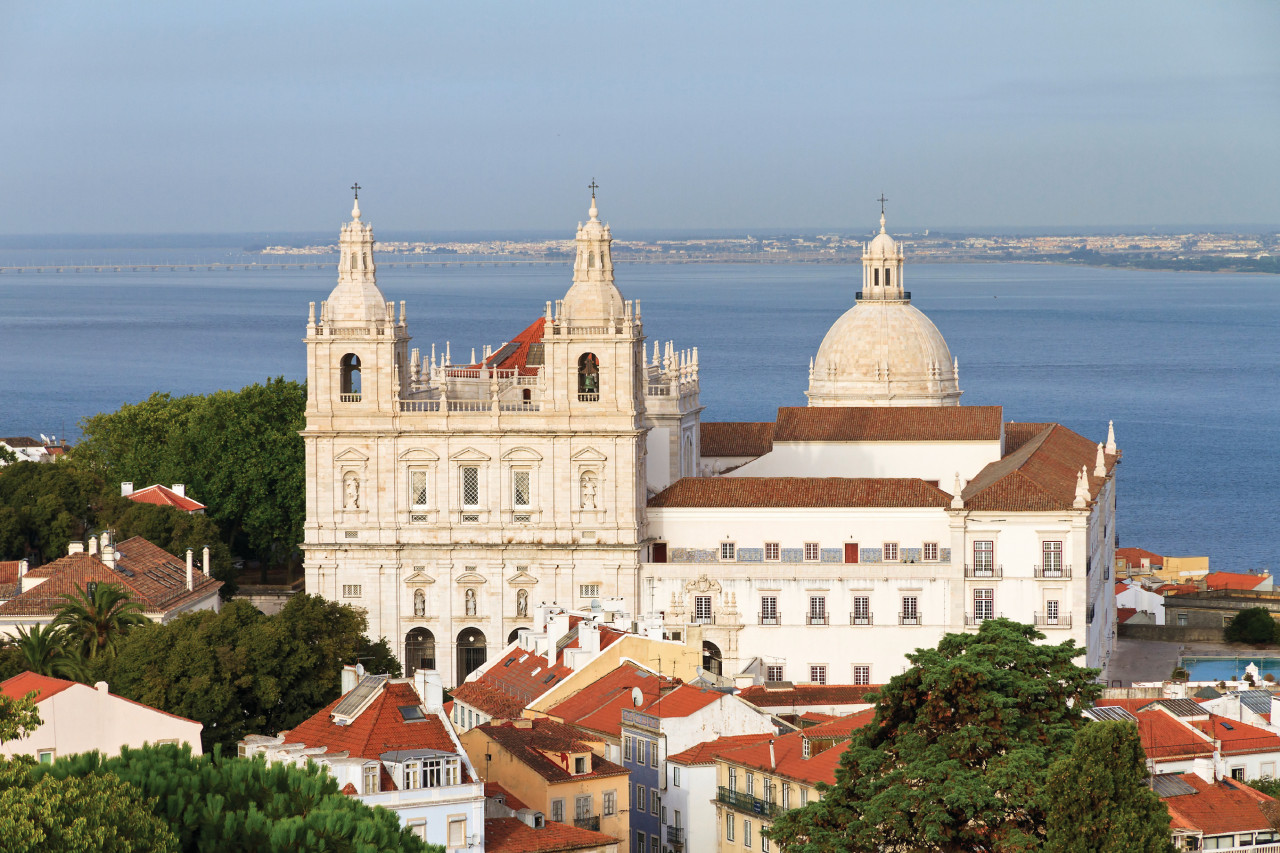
882	200
355	208
593	186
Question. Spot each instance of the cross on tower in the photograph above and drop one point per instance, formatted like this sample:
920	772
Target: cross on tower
593	186
356	189
882	200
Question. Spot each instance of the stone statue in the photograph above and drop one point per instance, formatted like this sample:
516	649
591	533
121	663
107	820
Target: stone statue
588	491
522	603
419	603
470	598
351	493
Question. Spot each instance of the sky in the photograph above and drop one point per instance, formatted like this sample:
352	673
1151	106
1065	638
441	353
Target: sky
145	117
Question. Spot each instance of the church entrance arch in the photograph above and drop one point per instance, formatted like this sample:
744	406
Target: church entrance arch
419	650
712	660
472	652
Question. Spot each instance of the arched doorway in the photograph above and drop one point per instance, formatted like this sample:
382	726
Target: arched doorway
419	650
712	660
471	652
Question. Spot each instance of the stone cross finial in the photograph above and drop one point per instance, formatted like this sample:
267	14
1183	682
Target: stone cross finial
882	200
356	189
1082	489
593	186
1111	437
1100	464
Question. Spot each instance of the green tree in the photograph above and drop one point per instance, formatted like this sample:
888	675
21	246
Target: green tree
1097	799
18	717
44	650
1253	625
958	751
175	531
75	814
213	802
95	620
44	507
7	456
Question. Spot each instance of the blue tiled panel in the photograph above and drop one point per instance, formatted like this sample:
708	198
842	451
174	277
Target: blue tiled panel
832	555
944	555
912	554
793	555
693	555
750	555
870	555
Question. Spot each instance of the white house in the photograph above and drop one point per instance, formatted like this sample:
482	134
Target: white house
78	718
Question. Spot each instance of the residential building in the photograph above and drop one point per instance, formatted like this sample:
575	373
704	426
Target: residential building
554	769
691	792
79	718
792	701
164	586
158	495
512	827
26	449
388	743
1208	813
596	709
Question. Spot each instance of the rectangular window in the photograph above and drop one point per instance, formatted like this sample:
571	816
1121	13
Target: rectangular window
654	844
653	754
655	801
1051	612
1182	619
579	765
910	610
458	832
786	796
772	551
1052	559
589	590
728	551
412	775
751	784
45	756
675	781
640	842
817	610
746	833
984	562
769	610
641	746
891	552
930	550
861	673
418	489
557	810
984	604
811	551
1237	773
351	590
818	674
729	820
861	610
370	780
702	609
773	672
610	805
521	495
764	843
733	778
640	797
804	796
583	807
626	748
470	486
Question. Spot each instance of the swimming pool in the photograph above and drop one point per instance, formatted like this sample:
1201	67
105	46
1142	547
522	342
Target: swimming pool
1228	668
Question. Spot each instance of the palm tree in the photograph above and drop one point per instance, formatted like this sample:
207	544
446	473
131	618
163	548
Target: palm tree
95	619
44	651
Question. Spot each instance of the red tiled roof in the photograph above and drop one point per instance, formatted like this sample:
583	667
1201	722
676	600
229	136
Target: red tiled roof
1017	434
21	441
1233	580
681	702
788	758
888	423
706	753
1164	738
800	492
493	789
8	571
598	706
816	718
350	790
512	835
519	358
1121	588
24	682
733	438
379	728
1124	614
1221	808
1135	556
1238	738
1176	588
530	740
1039	476
165	496
808	694
156	579
841	727
1130	705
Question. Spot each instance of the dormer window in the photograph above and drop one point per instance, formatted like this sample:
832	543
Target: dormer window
580	765
370	781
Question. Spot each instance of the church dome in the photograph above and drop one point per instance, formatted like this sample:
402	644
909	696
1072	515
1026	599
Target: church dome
356	299
593	295
883	246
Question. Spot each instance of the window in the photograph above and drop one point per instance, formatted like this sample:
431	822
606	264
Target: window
350	392
370	779
588	378
773	672
746	833
412	775
579	765
818	674
910	610
659	552
470	486
891	552
1182	619
727	551
418	489
45	756
458	832
806	749
675	781
751	784
351	590
733	778
984	604
654	844
772	551
786	796
1052	559
557	810
640	842
930	550
811	552
702	609
610	805
1237	773
1051	612
653	754
804	796
769	610
589	590
861	673
520	492
641	746
729	819
817	610
984	558
764	843
626	748
851	552
655	801
861	610
640	797
583	807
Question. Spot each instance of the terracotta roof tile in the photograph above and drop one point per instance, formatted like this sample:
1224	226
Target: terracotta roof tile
788	759
165	496
1221	808
1233	580
709	751
1238	738
512	835
683	701
841	727
8	572
529	741
1135	556
1165	739
888	423
735	438
1039	476
1017	434
494	789
782	492
1124	614
518	357
808	694
379	728
598	706
21	441
24	682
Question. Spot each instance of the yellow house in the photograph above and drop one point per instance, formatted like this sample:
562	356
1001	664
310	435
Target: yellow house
552	768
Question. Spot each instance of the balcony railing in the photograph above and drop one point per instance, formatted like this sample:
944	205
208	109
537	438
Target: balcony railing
983	571
1053	572
816	619
973	620
703	620
592	823
588	398
1062	620
867	618
910	618
746	803
771	619
349	398
675	835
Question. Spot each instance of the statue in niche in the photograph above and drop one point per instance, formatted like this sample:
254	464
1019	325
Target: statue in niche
419	603
522	603
470	600
588	491
351	492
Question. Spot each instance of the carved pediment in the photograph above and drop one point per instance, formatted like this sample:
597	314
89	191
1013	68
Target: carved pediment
470	454
522	578
522	454
589	454
351	455
703	585
418	578
418	454
470	579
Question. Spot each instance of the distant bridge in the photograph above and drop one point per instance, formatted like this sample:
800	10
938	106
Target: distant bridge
332	265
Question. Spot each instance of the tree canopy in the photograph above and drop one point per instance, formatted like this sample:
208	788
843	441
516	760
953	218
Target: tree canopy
1253	625
95	620
18	717
958	752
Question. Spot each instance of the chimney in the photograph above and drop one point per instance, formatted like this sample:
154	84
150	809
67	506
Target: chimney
108	556
102	687
191	581
75	548
126	489
589	637
93	546
179	489
208	570
430	688
23	565
1203	767
350	678
557	627
773	759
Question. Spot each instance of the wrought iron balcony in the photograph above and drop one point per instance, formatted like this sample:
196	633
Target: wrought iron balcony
746	803
1053	572
910	618
703	620
815	619
771	619
592	823
867	618
1062	620
973	620
675	835
983	571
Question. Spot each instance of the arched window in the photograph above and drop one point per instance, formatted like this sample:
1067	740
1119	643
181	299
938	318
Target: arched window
350	377
588	378
471	652
353	260
364	258
712	660
419	603
419	650
876	274
591	260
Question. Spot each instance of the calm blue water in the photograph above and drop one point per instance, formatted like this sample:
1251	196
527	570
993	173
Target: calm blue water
1228	669
1186	364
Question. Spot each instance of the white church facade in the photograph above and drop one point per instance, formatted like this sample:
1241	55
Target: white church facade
570	465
